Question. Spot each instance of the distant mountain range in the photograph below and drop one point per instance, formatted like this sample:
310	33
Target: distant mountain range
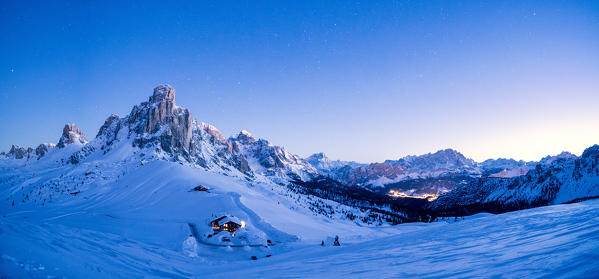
428	174
158	129
559	179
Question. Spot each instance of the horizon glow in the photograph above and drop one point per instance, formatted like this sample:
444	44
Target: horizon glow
358	81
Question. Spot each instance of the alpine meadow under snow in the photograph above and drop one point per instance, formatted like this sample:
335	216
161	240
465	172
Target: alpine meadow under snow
158	194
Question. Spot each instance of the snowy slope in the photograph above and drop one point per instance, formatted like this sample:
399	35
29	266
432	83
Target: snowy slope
129	190
547	242
131	186
111	205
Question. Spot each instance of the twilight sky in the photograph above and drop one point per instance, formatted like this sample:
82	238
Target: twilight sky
359	81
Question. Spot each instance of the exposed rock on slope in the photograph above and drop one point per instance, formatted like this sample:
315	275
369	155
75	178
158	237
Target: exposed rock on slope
335	169
271	160
160	112
17	152
43	149
71	134
448	159
495	166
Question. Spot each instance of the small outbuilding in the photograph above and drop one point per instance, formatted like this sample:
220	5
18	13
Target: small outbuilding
200	188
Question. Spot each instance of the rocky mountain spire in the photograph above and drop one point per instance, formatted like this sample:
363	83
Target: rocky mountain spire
18	152
163	92
245	137
71	134
161	111
43	148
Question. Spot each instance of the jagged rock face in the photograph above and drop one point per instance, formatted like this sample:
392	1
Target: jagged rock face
161	112
161	109
498	167
562	156
42	149
71	134
160	125
507	173
271	160
18	152
442	159
318	159
321	162
211	150
374	171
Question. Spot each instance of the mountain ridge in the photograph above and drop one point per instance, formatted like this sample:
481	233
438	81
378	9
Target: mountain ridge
159	129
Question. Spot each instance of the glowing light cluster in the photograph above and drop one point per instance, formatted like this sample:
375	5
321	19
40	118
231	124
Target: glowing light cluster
399	194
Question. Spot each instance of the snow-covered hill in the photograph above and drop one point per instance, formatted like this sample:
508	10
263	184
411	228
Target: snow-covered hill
547	242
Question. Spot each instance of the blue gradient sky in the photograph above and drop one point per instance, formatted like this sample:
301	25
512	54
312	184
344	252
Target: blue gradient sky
358	80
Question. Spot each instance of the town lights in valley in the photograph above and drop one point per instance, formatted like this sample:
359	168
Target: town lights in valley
399	194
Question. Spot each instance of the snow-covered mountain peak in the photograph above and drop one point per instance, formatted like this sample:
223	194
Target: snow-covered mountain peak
323	163
158	129
161	121
213	131
71	135
316	157
245	137
17	152
271	160
592	151
548	160
442	159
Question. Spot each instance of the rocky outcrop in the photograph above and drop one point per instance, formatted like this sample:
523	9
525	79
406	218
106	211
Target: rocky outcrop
443	159
497	167
335	169
160	116
71	135
271	160
42	149
366	174
17	152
